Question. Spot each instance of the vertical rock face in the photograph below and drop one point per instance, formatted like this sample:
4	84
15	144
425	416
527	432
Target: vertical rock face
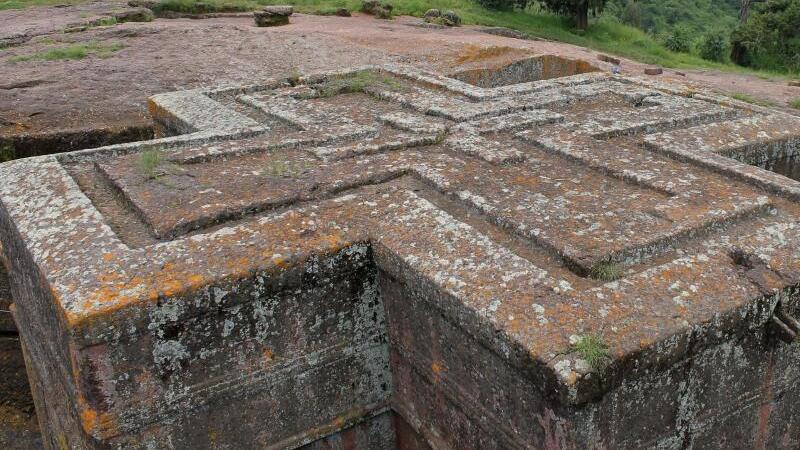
385	258
6	321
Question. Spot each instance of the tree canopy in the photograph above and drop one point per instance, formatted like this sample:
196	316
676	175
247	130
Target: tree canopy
770	38
579	9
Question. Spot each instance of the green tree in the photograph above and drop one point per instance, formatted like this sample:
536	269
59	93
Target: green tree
770	38
578	9
713	46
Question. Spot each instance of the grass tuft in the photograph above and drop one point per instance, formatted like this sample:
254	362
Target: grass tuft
105	22
75	51
149	161
7	153
594	350
205	7
795	103
606	271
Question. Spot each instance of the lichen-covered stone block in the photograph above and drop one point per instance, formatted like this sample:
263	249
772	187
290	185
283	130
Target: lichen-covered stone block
382	257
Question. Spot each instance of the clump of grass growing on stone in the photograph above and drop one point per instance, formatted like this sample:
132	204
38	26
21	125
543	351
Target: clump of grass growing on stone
7	152
75	51
606	271
795	103
149	161
105	22
593	350
354	82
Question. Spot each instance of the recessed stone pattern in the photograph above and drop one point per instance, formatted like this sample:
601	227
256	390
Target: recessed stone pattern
431	179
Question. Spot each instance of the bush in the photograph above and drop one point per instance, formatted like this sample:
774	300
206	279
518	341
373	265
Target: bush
770	39
713	46
679	40
503	4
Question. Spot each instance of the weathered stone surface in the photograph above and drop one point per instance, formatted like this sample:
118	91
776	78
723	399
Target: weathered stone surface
377	9
653	71
386	249
274	15
134	15
447	18
608	59
279	10
432	14
6	321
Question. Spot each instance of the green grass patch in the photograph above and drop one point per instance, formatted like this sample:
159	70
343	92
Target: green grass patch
22	4
594	350
105	22
203	7
149	161
607	271
7	153
750	99
795	103
75	51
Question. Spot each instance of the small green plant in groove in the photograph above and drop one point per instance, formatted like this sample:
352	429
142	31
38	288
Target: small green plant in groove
594	350
294	76
606	271
105	22
149	161
795	103
7	153
441	135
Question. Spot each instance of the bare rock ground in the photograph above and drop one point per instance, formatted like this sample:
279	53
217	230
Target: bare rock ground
69	100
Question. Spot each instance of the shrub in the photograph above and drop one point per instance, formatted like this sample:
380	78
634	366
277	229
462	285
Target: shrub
770	39
503	4
713	46
679	40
